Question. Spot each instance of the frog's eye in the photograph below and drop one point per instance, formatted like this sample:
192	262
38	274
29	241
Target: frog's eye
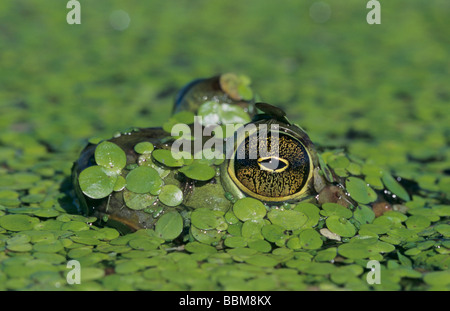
280	171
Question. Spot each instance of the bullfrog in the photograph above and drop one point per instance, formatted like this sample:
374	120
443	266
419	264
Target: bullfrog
221	146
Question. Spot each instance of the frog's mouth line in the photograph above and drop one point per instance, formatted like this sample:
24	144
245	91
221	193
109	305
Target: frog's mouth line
273	164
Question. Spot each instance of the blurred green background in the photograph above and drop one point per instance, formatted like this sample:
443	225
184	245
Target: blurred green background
62	83
379	91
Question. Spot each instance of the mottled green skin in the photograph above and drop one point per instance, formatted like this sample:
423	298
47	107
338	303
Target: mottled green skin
219	192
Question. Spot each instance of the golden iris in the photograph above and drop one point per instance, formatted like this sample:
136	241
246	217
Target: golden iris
279	173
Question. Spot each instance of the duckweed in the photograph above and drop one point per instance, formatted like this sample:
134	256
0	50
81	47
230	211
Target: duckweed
198	171
360	191
171	195
144	147
169	226
18	222
249	209
144	179
387	110
164	156
110	155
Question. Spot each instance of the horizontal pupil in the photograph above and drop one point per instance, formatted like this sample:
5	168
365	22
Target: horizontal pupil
270	165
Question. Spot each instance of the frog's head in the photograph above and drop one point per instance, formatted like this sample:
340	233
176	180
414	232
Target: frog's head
222	99
281	168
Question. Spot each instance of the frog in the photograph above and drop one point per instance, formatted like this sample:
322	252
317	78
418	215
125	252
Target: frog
134	178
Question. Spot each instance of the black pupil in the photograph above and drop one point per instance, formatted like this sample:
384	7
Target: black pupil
268	163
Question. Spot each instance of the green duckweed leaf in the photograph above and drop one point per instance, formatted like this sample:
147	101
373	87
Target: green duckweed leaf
417	222
441	210
381	247
393	186
33	198
294	243
91	273
241	253
360	191
437	278
138	201
340	226
165	156
425	245
249	209
289	219
18	222
109	155
353	251
374	182
144	147
185	117
245	92
231	218
326	255
171	195
144	179
260	245
144	243
9	198
404	260
80	252
354	168
235	229
334	209
364	214
310	239
120	183
198	171
235	241
234	114
20	247
19	239
443	229
261	260
169	226
85	240
251	229
75	226
372	170
311	211
48	246
209	156
196	247
96	182
325	169
395	216
211	237
273	233
344	274
338	161
205	218
425	212
319	268
375	228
